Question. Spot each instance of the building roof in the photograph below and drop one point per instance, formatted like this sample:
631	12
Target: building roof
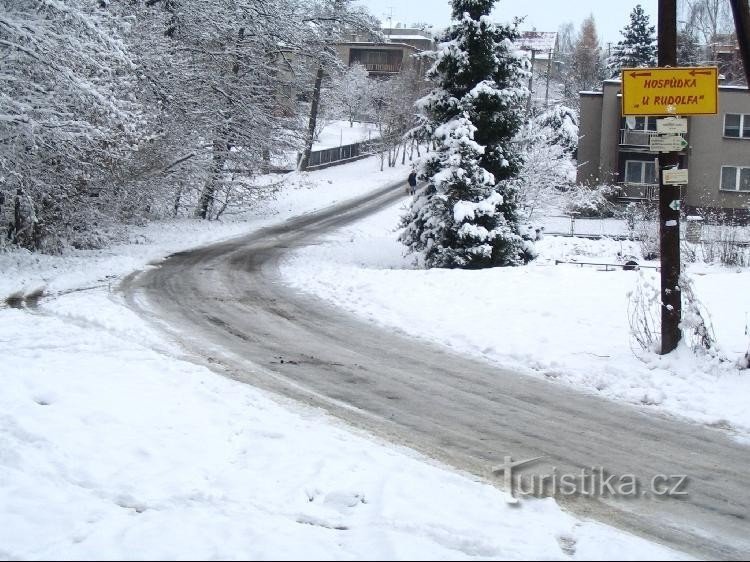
412	37
541	41
375	45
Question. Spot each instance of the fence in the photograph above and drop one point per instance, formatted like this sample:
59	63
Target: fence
340	154
585	227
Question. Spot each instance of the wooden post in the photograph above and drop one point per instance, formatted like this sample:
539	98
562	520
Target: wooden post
741	11
669	213
549	71
531	83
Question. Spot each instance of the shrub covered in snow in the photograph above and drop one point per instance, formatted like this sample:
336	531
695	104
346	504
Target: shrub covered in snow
591	201
644	310
559	126
549	141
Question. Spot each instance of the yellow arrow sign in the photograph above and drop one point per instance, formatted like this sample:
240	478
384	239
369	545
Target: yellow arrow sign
670	91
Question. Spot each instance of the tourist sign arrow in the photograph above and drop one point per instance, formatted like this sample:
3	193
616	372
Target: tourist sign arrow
667	143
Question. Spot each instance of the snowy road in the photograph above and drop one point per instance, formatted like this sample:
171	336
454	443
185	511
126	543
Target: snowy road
228	305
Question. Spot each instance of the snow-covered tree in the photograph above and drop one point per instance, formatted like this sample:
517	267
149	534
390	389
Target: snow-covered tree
353	92
392	102
638	45
222	75
327	22
688	48
223	80
549	171
709	19
467	216
587	65
67	117
559	126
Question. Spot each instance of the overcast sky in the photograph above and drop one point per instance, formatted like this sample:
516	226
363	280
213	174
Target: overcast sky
544	15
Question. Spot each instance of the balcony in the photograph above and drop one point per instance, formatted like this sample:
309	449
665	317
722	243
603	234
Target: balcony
378	60
638	191
630	137
380	67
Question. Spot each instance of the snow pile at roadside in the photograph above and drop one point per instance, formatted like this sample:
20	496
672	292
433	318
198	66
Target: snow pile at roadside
112	446
24	272
562	322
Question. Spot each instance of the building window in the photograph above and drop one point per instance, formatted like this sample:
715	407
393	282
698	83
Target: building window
735	178
737	126
639	171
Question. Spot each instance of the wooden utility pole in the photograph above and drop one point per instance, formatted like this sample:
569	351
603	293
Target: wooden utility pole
310	138
741	11
669	200
531	83
549	72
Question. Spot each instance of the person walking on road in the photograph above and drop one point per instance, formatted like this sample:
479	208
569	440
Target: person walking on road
412	183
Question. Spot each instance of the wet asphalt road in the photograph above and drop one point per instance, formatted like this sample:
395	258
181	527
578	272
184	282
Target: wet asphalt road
227	304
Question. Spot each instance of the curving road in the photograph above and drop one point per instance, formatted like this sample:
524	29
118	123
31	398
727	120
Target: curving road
228	304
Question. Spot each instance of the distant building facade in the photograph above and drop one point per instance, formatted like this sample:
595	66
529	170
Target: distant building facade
381	59
615	149
393	52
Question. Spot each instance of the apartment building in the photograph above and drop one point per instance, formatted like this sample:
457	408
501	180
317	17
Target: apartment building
615	149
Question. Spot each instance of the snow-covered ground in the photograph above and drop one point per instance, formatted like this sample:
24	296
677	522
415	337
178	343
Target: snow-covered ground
566	323
334	134
115	444
340	133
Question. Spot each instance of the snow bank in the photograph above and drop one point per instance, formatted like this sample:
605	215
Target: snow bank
114	447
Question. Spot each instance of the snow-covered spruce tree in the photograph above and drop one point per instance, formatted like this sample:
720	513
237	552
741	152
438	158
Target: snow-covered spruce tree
688	48
467	215
638	45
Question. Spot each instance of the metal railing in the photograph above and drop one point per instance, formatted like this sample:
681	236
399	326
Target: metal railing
638	191
330	156
378	67
585	227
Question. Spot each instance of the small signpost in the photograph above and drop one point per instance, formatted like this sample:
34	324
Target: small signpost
675	177
672	92
671	126
667	143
